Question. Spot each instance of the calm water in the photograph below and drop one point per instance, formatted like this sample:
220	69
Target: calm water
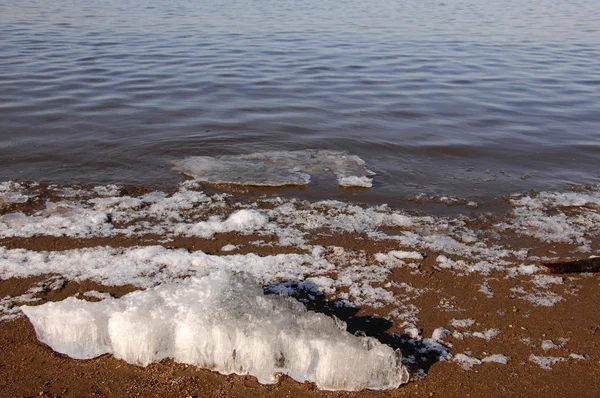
467	97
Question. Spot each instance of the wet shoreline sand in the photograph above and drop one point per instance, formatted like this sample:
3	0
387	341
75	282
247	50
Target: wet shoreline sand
482	280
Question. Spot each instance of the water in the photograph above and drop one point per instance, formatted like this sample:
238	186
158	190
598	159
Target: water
472	97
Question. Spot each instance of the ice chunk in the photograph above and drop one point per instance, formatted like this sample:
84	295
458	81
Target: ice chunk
577	356
439	334
528	269
487	334
12	192
354	181
58	219
466	360
497	358
546	362
549	344
97	295
277	168
400	254
462	323
223	322
74	327
245	221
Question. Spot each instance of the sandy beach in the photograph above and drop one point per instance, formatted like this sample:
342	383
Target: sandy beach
466	298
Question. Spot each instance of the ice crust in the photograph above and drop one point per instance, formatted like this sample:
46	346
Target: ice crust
544	216
11	192
151	265
277	168
245	221
223	322
546	362
467	361
462	323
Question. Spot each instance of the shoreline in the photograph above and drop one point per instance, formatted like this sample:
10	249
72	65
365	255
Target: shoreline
480	283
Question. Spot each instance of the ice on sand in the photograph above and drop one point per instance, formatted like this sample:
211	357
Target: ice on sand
223	322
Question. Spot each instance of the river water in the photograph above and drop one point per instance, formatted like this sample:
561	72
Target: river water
462	97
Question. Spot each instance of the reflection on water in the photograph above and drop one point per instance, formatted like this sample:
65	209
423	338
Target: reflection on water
469	97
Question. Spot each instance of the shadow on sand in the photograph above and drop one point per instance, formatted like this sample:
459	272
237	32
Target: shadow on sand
418	355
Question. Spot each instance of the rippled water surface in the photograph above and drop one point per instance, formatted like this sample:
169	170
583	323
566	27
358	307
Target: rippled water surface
468	97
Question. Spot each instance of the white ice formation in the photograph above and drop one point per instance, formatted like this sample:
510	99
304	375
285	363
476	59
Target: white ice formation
278	168
223	322
467	361
11	192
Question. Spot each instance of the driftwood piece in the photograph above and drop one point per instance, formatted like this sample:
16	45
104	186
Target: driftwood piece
575	266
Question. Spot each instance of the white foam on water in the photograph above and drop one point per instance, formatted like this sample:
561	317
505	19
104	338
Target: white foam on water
277	168
223	322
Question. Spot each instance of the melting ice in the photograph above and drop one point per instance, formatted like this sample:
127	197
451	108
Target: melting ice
223	322
278	168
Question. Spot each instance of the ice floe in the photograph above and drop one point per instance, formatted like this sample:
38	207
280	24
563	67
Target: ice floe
278	168
222	322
